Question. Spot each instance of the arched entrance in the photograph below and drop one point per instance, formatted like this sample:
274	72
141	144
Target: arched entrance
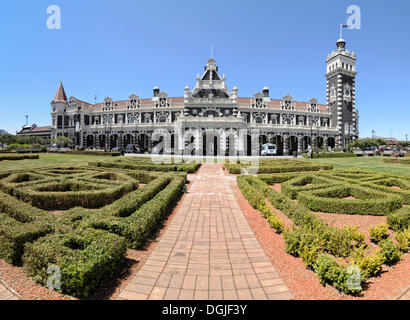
90	141
113	141
143	140
278	141
331	142
231	149
127	139
210	145
293	144
101	141
319	142
306	142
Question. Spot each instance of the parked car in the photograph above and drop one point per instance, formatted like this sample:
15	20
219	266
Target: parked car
268	149
115	149
132	148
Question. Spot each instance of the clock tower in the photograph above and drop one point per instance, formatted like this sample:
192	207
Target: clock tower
341	94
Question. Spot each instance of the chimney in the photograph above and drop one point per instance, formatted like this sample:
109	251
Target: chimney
266	92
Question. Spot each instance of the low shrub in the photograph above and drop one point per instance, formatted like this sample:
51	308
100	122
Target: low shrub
355	234
275	223
400	219
379	232
370	265
331	272
390	251
84	257
403	240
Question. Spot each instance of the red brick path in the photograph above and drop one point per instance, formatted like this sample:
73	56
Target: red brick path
208	252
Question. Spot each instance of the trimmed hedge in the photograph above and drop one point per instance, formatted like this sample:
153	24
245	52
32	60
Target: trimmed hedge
94	153
86	244
397	160
85	258
139	226
292	187
329	155
189	168
236	168
12	156
64	195
370	202
19	224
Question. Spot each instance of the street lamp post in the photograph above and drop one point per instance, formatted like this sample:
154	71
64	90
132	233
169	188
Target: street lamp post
348	137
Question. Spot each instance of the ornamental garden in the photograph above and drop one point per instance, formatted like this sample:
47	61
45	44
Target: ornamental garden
343	257
84	218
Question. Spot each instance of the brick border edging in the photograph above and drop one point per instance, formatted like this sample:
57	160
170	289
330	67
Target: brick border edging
9	288
402	294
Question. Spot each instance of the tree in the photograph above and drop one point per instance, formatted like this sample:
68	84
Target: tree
62	141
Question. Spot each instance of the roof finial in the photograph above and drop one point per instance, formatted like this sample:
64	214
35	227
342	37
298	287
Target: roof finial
341	28
212	51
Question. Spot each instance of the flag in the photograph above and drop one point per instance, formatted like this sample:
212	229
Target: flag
344	25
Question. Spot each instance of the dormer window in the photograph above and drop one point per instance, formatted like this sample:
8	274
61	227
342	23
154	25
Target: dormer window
287	103
72	103
108	104
312	107
162	102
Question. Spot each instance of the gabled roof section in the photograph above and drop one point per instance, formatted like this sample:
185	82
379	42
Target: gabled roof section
211	71
60	94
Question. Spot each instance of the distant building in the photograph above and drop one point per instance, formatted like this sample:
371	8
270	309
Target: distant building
34	131
213	115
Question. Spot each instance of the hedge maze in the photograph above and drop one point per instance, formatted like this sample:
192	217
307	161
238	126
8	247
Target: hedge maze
83	219
340	257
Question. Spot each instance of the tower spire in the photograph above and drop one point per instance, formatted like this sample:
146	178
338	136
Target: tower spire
60	94
212	51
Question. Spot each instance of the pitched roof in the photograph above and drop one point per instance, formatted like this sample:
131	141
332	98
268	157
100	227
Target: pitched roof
60	94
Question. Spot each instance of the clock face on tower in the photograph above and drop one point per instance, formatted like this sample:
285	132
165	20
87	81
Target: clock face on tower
347	92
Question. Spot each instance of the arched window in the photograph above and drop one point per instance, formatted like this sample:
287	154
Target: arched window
258	119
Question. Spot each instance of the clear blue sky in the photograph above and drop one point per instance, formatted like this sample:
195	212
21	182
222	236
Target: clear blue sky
116	48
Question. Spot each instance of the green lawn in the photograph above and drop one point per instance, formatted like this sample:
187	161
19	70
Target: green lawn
51	160
366	163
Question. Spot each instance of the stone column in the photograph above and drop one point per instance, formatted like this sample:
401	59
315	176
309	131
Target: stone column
150	143
167	143
95	141
339	142
325	145
314	141
285	145
121	137
300	140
